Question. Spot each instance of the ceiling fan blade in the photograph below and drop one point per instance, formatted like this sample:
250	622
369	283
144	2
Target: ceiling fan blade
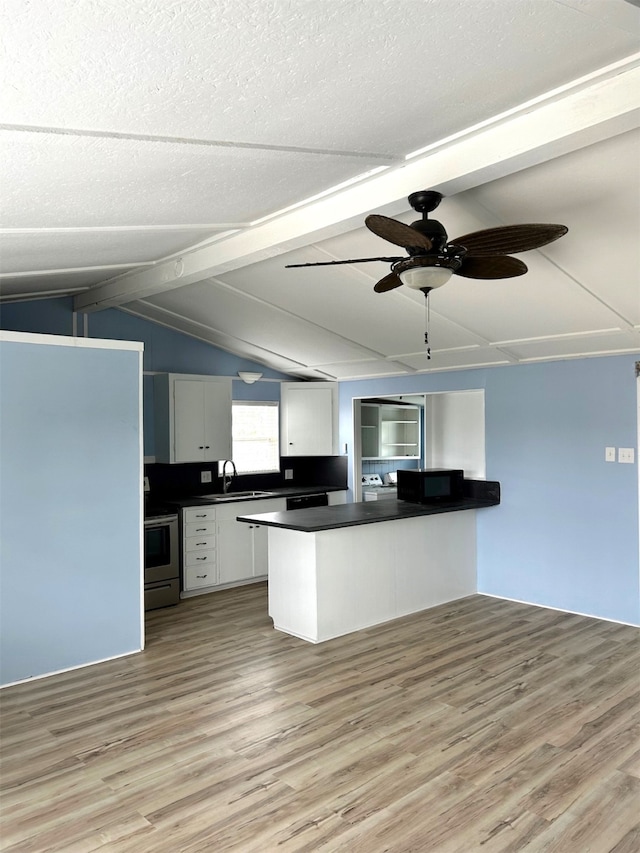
499	266
352	261
397	232
508	239
389	282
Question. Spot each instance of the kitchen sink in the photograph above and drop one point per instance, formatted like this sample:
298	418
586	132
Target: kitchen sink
236	496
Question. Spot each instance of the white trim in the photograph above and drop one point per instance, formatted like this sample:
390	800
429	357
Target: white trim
604	106
141	492
69	668
559	609
68	341
638	467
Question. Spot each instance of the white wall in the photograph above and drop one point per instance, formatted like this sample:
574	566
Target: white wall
455	432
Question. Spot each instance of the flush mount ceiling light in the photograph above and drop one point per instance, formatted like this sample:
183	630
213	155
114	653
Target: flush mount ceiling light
249	378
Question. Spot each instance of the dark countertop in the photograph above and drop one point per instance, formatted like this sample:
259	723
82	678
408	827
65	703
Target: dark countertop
314	519
281	492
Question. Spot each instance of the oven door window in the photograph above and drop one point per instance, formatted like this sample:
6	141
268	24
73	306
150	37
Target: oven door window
157	546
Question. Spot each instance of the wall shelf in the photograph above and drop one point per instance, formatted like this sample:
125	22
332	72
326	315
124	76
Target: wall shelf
389	431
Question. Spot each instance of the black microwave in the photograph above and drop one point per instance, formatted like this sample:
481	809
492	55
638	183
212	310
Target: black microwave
430	485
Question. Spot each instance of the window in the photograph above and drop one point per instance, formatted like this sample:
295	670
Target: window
255	428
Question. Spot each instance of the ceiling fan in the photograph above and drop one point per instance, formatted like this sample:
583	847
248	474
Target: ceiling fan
432	260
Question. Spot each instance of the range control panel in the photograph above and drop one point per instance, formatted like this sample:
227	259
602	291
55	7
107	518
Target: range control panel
371	480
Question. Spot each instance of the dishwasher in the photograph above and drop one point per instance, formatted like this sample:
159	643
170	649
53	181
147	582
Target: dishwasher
306	501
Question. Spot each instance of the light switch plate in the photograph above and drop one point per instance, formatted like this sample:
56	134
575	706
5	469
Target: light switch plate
626	454
205	476
609	454
288	473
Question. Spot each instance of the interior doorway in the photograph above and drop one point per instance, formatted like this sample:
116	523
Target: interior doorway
451	428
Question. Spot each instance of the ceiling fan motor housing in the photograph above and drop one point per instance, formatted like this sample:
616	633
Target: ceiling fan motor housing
432	229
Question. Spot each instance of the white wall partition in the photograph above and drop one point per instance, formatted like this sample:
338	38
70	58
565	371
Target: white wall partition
454	431
70	503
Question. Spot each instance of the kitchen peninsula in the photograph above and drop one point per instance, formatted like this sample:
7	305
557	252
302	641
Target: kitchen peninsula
338	569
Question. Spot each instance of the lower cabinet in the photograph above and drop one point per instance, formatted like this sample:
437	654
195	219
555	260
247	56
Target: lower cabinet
218	551
199	559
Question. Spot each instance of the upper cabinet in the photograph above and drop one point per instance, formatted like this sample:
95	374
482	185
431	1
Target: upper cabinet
192	417
390	432
309	418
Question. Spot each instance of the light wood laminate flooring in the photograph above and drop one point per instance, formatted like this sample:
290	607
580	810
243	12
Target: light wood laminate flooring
481	725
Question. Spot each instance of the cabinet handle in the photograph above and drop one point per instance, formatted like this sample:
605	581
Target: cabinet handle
201	530
207	447
201	576
204	515
201	558
201	543
201	447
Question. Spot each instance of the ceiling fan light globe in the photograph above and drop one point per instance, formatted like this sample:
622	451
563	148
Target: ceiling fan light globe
418	278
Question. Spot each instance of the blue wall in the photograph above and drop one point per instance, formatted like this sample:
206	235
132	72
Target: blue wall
164	349
70	507
566	533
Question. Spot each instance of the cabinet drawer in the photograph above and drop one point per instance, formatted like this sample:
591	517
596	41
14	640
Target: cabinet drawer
200	543
199	558
197	576
199	513
200	528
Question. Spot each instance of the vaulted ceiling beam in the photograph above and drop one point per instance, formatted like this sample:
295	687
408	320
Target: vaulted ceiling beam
585	114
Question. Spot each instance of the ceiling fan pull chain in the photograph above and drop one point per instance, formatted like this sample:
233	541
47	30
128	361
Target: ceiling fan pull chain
427	318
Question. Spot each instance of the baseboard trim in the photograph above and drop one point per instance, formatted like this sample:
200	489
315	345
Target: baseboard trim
69	669
560	609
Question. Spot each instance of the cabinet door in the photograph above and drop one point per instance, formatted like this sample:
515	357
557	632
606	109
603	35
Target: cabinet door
261	536
189	421
217	420
242	548
309	419
260	551
192	417
235	550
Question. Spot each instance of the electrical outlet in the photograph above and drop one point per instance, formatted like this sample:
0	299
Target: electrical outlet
626	454
288	473
609	454
205	476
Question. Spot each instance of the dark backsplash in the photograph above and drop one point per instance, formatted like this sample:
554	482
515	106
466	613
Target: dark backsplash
167	481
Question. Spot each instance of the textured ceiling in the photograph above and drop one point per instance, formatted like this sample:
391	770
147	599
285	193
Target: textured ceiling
169	158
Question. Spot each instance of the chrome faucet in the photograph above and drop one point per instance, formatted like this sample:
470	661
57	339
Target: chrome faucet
226	481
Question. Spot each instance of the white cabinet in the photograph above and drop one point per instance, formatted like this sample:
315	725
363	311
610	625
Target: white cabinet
199	553
218	551
242	548
337	497
390	432
309	418
192	417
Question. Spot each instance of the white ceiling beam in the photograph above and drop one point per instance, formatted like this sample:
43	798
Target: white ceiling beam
588	113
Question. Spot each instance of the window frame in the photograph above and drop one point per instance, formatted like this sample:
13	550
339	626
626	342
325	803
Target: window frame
265	404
